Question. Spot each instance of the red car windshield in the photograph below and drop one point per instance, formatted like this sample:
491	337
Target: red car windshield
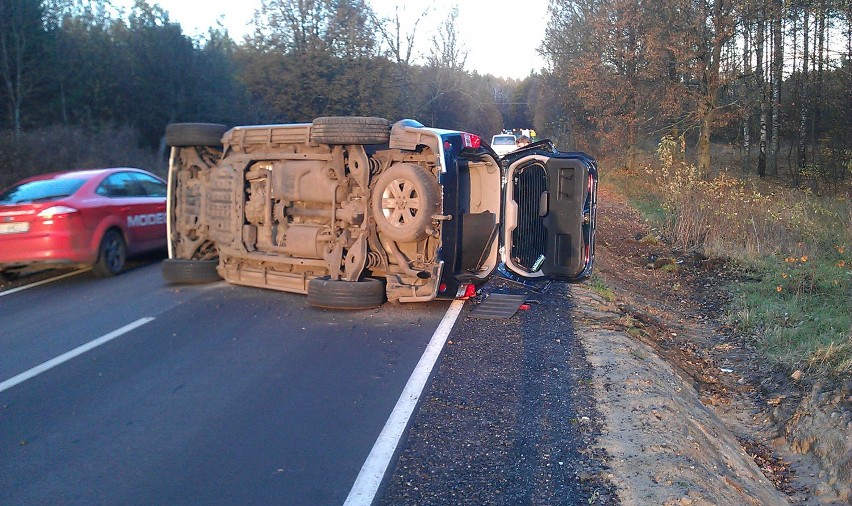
41	191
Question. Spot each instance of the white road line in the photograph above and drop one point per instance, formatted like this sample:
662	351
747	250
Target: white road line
44	282
372	473
50	364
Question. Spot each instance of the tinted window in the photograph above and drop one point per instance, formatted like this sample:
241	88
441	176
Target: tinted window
41	191
121	184
152	186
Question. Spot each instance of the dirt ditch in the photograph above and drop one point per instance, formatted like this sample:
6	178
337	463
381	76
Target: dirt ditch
695	409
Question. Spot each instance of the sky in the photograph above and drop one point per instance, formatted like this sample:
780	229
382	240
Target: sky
501	38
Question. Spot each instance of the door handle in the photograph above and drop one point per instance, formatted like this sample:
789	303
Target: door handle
543	204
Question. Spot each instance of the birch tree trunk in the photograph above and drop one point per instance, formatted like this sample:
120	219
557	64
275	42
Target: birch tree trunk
803	92
747	73
820	56
761	83
777	69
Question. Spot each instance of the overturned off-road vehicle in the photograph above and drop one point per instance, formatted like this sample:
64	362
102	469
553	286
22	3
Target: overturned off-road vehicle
353	211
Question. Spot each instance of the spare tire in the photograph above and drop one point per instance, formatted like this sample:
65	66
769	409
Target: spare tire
336	294
181	271
195	134
350	130
404	199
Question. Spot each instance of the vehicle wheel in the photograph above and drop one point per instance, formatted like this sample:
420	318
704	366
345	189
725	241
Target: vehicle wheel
404	199
350	130
182	271
111	255
334	294
10	274
195	134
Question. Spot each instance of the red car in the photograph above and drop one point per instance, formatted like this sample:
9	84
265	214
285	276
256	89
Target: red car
88	217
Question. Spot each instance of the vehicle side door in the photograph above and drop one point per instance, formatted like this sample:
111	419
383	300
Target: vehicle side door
151	215
124	202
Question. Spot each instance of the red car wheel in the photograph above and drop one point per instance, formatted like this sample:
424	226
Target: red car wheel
112	254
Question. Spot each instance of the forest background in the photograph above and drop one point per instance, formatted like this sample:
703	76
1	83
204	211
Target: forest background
727	121
768	78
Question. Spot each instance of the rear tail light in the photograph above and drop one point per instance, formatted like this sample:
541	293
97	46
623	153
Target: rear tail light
56	212
466	291
470	141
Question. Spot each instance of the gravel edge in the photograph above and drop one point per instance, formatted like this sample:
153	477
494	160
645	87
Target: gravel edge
666	447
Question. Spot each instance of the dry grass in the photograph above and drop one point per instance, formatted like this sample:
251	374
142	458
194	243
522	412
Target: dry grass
746	218
796	242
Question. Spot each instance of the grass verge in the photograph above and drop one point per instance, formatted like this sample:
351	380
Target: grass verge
794	242
799	311
598	286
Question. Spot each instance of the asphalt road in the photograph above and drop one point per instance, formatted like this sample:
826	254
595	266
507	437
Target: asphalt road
220	394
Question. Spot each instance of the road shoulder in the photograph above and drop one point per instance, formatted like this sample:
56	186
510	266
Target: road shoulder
509	417
665	446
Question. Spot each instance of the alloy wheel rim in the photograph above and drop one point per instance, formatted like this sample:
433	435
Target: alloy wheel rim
400	202
114	255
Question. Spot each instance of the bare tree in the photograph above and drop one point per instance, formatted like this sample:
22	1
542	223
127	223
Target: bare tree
761	82
447	50
804	90
400	44
21	45
819	56
339	28
747	73
720	18
777	77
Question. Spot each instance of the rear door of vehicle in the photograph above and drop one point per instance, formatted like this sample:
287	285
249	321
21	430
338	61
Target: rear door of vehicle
548	218
120	205
129	205
148	213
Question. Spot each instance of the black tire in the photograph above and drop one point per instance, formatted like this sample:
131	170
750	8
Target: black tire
195	134
112	254
185	272
333	294
350	130
9	274
404	199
